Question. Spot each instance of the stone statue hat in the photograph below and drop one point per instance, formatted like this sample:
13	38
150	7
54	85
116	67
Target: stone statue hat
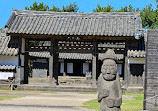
109	54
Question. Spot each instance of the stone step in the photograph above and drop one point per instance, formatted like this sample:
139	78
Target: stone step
68	80
56	88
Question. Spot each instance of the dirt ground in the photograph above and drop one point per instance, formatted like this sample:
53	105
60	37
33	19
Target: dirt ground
47	101
35	101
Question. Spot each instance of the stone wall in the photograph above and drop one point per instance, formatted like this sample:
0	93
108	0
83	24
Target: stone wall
151	72
39	73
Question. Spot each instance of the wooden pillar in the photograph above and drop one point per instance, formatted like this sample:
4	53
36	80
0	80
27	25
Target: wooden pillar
126	75
55	67
94	62
26	68
51	69
126	67
53	63
26	59
21	59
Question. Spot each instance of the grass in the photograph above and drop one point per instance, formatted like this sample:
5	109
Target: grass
88	92
92	104
28	91
135	104
8	97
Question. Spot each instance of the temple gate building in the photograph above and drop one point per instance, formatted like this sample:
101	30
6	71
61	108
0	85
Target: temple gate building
53	44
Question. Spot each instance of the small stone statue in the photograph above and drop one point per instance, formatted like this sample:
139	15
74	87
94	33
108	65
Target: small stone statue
109	87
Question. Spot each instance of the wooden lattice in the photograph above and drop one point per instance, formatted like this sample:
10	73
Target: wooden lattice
75	46
117	46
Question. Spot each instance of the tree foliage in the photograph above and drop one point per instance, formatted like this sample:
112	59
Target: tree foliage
56	9
40	7
109	8
148	15
72	7
128	9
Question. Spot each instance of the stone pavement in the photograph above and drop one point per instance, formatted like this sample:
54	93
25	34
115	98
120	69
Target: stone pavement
59	101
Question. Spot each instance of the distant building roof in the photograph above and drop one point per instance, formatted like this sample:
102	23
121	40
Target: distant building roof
136	53
4	49
69	23
7	67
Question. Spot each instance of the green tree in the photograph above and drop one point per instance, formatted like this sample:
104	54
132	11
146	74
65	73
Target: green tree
127	9
40	7
149	17
70	8
0	28
56	9
109	8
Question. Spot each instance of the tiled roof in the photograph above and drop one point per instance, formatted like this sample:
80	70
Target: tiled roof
7	67
68	23
136	53
75	56
72	55
4	41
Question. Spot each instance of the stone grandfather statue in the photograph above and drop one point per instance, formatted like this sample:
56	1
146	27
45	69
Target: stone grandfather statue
109	87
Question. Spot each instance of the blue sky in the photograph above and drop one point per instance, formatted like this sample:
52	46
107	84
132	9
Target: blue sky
84	5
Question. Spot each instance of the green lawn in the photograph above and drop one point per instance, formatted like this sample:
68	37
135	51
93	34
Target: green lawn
28	91
88	92
7	97
134	104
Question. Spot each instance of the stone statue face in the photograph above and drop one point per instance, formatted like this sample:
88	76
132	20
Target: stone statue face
109	69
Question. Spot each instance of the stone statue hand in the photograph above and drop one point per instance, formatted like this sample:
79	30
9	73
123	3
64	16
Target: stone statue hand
103	94
110	103
118	102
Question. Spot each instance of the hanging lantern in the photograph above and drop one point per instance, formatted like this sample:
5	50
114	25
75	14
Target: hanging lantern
137	36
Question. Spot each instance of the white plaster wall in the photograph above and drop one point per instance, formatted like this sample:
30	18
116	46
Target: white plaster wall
8	60
136	60
62	67
69	67
85	67
41	60
119	69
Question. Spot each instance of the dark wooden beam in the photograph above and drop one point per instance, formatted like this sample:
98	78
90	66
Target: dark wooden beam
19	46
81	37
26	68
55	67
53	63
65	66
94	62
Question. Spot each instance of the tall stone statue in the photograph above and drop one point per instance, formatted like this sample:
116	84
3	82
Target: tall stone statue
109	87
